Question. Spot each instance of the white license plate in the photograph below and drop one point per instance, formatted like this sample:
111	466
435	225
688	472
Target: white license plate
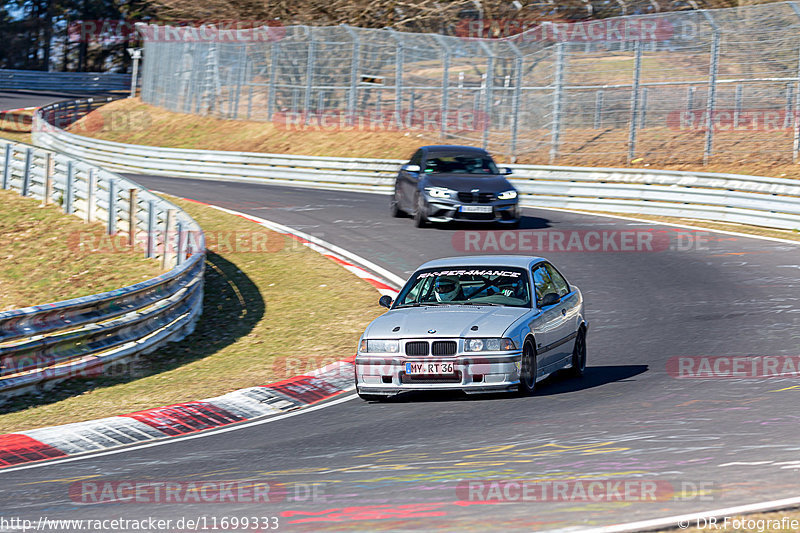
476	209
430	368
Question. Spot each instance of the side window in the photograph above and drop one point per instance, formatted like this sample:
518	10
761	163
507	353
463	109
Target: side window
542	283
562	288
416	159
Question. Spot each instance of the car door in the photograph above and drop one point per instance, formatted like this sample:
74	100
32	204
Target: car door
406	186
550	326
569	308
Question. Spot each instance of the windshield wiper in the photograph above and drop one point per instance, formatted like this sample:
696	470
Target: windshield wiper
420	304
479	303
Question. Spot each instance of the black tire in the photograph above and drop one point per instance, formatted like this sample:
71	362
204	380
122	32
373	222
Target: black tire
420	220
394	208
579	355
528	370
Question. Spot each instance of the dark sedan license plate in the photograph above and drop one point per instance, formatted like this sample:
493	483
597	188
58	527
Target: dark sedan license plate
430	368
476	209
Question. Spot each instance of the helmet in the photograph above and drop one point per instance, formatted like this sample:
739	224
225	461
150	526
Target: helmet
446	288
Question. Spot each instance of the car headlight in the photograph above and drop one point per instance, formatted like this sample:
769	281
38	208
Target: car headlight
439	192
508	195
379	346
489	345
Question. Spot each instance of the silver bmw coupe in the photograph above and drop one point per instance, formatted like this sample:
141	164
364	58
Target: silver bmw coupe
476	324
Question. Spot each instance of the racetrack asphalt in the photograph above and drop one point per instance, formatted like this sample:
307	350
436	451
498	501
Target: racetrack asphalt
402	465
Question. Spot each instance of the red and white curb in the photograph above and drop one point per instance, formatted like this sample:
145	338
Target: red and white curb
191	417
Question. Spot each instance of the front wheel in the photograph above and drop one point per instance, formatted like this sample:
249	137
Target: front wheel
420	220
579	355
394	208
528	370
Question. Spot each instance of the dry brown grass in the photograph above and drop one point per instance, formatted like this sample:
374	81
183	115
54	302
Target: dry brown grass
42	259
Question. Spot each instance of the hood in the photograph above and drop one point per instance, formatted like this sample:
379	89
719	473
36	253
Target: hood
447	320
465	182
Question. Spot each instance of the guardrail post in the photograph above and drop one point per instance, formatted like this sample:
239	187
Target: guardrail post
7	166
273	67
489	85
558	89
167	240
398	80
796	140
713	69
132	208
112	207
180	251
309	76
90	196
151	228
352	94
737	111
241	67
787	116
643	111
70	188
48	178
515	105
598	109
26	176
637	72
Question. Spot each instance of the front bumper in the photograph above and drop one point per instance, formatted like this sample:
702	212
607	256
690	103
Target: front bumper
386	375
441	210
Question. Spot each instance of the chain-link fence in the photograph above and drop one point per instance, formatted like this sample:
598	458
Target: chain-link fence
674	87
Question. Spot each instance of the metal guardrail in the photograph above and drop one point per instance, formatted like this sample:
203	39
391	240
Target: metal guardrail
34	80
81	337
762	201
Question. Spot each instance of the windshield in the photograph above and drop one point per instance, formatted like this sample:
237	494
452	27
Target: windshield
504	286
460	164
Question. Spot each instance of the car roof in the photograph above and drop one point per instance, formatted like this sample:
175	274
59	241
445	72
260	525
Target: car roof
452	148
519	261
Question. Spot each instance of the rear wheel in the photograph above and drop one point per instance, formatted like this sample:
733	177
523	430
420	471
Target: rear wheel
579	354
420	220
528	370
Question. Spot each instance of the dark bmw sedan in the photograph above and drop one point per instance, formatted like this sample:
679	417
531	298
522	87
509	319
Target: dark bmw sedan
454	183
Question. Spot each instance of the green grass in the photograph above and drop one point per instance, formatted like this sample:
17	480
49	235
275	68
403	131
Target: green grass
266	316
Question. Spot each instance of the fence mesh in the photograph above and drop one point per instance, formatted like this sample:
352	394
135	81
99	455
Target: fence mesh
674	87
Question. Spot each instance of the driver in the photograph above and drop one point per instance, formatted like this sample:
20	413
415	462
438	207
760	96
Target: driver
447	289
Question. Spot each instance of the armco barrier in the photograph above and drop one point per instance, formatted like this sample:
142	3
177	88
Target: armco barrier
34	80
762	201
43	344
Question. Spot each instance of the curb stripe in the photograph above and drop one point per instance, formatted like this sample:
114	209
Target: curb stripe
192	417
17	449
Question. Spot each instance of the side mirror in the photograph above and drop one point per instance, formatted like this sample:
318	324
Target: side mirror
386	301
507	171
410	168
551	298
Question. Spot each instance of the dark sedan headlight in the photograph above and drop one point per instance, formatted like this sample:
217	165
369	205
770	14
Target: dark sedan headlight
507	195
489	345
440	192
379	346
